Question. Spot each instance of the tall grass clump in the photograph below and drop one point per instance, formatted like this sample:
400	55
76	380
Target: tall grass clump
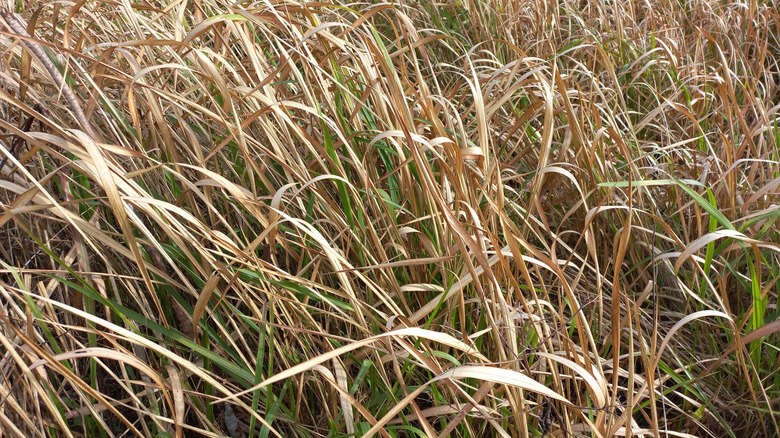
468	218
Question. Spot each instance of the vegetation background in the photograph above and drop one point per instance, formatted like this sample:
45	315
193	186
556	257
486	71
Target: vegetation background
479	218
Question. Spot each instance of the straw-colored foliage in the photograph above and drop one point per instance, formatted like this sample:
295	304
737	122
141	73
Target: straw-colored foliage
497	218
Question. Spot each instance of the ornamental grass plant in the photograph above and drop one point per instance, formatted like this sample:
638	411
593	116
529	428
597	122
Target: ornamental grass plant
406	219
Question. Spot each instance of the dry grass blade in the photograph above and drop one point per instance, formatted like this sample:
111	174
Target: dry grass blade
468	218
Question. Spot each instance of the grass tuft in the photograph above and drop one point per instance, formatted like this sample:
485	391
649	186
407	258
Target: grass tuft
394	219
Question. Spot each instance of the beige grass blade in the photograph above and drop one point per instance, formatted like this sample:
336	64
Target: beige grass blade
309	364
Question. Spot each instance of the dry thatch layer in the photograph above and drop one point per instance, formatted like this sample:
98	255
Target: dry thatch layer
403	219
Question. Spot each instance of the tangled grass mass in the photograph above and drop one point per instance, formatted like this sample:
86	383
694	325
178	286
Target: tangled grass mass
405	219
